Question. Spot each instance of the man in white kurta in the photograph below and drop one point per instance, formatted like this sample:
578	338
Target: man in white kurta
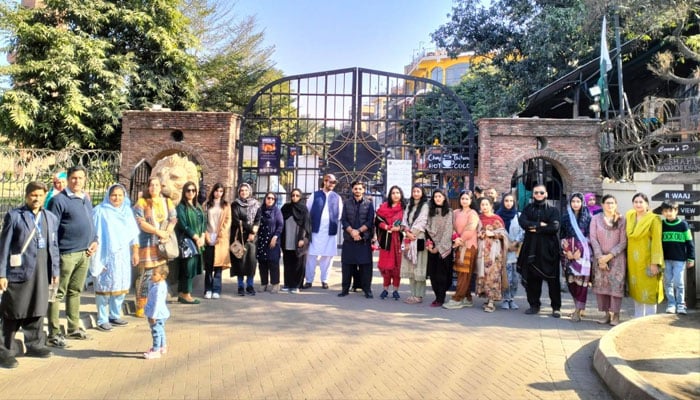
325	208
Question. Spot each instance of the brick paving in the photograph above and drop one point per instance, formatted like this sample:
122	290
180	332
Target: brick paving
315	345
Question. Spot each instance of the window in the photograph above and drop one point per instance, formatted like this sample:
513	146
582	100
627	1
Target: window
455	73
436	74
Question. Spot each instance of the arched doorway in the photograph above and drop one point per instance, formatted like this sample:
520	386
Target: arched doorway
536	171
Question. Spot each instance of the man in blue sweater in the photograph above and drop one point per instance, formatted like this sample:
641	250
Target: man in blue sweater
77	241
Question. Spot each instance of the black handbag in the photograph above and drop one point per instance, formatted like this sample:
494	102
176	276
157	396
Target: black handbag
383	235
187	247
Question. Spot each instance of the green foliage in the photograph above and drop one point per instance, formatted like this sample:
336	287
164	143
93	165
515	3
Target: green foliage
434	116
78	64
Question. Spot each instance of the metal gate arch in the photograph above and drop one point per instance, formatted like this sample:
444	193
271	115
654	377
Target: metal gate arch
349	122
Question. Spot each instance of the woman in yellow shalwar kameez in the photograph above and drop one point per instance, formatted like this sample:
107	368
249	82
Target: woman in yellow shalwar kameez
644	257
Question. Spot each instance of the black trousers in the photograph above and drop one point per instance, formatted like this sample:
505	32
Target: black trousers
33	329
350	273
533	288
269	270
440	272
294	269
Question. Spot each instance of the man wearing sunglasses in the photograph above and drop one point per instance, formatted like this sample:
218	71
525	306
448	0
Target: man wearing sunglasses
539	256
325	208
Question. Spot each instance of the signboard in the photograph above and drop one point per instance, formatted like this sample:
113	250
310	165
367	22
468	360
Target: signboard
677	195
292	153
688	210
686	164
443	159
694	225
400	173
678	148
269	155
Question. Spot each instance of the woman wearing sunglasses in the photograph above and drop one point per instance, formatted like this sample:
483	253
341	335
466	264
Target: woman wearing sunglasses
191	223
267	249
296	233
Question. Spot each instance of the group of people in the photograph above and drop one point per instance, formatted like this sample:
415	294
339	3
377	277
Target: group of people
490	245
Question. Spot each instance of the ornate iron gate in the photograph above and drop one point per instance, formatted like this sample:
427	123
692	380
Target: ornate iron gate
350	122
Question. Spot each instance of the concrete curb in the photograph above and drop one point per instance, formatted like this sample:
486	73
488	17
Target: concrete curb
622	380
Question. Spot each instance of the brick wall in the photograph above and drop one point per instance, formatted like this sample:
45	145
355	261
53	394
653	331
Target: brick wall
208	138
570	145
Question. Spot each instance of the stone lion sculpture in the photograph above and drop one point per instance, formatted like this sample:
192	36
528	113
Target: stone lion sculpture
174	171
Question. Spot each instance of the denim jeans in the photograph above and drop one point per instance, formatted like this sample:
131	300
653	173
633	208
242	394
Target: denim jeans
674	282
513	282
248	280
158	333
108	307
212	280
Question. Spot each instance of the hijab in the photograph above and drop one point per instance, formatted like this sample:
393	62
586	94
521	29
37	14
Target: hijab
116	229
506	214
594	209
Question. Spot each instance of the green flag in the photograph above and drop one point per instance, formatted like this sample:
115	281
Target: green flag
605	66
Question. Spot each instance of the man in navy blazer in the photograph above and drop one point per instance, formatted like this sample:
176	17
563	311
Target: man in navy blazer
29	262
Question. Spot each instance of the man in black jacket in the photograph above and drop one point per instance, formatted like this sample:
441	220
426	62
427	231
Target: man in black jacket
358	221
539	256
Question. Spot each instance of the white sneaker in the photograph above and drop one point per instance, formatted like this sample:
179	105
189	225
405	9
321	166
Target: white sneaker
294	291
505	305
215	296
467	303
681	309
512	305
207	294
453	305
670	310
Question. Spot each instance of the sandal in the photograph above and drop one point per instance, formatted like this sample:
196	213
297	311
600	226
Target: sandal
615	320
576	316
489	307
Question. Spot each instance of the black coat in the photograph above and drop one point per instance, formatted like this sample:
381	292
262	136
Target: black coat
541	247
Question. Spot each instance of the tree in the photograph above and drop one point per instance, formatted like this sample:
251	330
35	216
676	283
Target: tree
233	63
78	64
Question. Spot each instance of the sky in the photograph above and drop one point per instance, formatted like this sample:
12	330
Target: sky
320	35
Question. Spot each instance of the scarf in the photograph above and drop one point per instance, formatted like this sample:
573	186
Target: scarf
390	214
594	209
506	214
116	229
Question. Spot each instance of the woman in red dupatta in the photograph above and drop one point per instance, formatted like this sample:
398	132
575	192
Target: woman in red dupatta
389	216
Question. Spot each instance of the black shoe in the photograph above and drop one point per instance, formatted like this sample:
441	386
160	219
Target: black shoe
78	334
369	295
532	310
324	285
57	341
556	314
250	290
8	362
307	285
241	291
395	295
343	293
384	295
40	352
118	322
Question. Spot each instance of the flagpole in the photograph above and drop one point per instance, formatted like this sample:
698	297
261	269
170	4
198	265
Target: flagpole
620	87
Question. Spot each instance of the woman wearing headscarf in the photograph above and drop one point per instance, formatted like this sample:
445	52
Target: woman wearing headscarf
118	238
156	217
576	252
389	217
509	214
216	253
645	258
296	233
267	249
191	224
439	246
244	229
590	203
414	258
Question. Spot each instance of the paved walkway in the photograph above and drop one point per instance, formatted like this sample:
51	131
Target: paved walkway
315	345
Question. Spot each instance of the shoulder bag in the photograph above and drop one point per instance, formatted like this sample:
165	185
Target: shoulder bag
237	248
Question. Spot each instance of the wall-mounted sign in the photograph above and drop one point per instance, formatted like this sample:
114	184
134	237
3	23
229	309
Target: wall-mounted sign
443	159
677	195
685	164
678	148
269	155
